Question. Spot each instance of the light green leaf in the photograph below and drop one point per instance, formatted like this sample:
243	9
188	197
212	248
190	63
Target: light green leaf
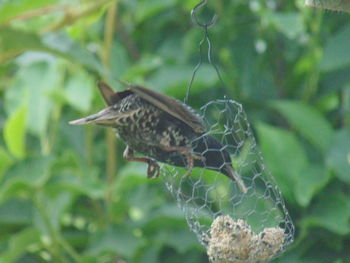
307	121
338	158
14	132
79	90
311	180
284	155
60	44
337	51
31	87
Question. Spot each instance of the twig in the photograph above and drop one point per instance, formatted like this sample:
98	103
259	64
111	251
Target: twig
34	13
74	14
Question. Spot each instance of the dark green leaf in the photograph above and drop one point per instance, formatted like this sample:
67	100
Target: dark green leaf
117	240
338	158
284	155
5	162
332	211
310	180
19	243
180	239
337	51
25	176
16	211
307	121
290	24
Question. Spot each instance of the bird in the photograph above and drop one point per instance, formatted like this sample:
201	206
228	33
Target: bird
161	129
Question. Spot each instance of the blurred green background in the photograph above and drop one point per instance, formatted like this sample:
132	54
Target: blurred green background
66	195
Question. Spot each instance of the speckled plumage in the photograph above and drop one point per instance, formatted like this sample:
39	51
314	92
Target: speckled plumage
162	129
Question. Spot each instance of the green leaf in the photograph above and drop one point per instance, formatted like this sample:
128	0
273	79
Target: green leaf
115	239
31	87
181	239
332	211
338	158
16	211
5	162
310	181
307	121
14	132
150	8
14	42
284	155
79	90
336	53
88	185
290	24
25	177
12	8
19	243
53	205
60	44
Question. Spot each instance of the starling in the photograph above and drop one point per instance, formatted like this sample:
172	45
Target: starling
162	129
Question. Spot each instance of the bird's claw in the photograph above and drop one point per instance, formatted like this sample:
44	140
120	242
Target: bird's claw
153	169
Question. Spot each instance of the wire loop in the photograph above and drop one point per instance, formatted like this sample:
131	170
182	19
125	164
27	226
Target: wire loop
196	21
205	41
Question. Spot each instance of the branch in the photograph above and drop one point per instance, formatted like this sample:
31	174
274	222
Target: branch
73	14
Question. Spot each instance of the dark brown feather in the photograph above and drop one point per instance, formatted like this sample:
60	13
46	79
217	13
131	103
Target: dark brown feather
172	106
110	96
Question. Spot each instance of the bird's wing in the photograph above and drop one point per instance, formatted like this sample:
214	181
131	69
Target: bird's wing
109	95
172	106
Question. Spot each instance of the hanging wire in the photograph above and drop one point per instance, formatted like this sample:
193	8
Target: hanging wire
206	39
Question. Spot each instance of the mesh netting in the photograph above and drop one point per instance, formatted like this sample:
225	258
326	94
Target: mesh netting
230	223
233	226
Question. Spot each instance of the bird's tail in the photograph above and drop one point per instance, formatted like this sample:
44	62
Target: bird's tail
236	177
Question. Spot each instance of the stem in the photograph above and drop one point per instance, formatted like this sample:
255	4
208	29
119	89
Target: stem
57	239
314	76
111	164
52	233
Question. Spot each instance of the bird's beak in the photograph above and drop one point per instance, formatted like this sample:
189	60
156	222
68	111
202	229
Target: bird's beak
105	117
235	176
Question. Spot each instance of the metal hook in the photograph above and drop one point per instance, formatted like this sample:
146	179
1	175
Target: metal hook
195	19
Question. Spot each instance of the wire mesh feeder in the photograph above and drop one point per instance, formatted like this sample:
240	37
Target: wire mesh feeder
233	226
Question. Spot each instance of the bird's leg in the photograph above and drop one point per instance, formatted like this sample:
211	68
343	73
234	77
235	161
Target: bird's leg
190	156
152	169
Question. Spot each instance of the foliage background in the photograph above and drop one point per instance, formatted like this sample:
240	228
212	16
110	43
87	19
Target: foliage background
66	195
